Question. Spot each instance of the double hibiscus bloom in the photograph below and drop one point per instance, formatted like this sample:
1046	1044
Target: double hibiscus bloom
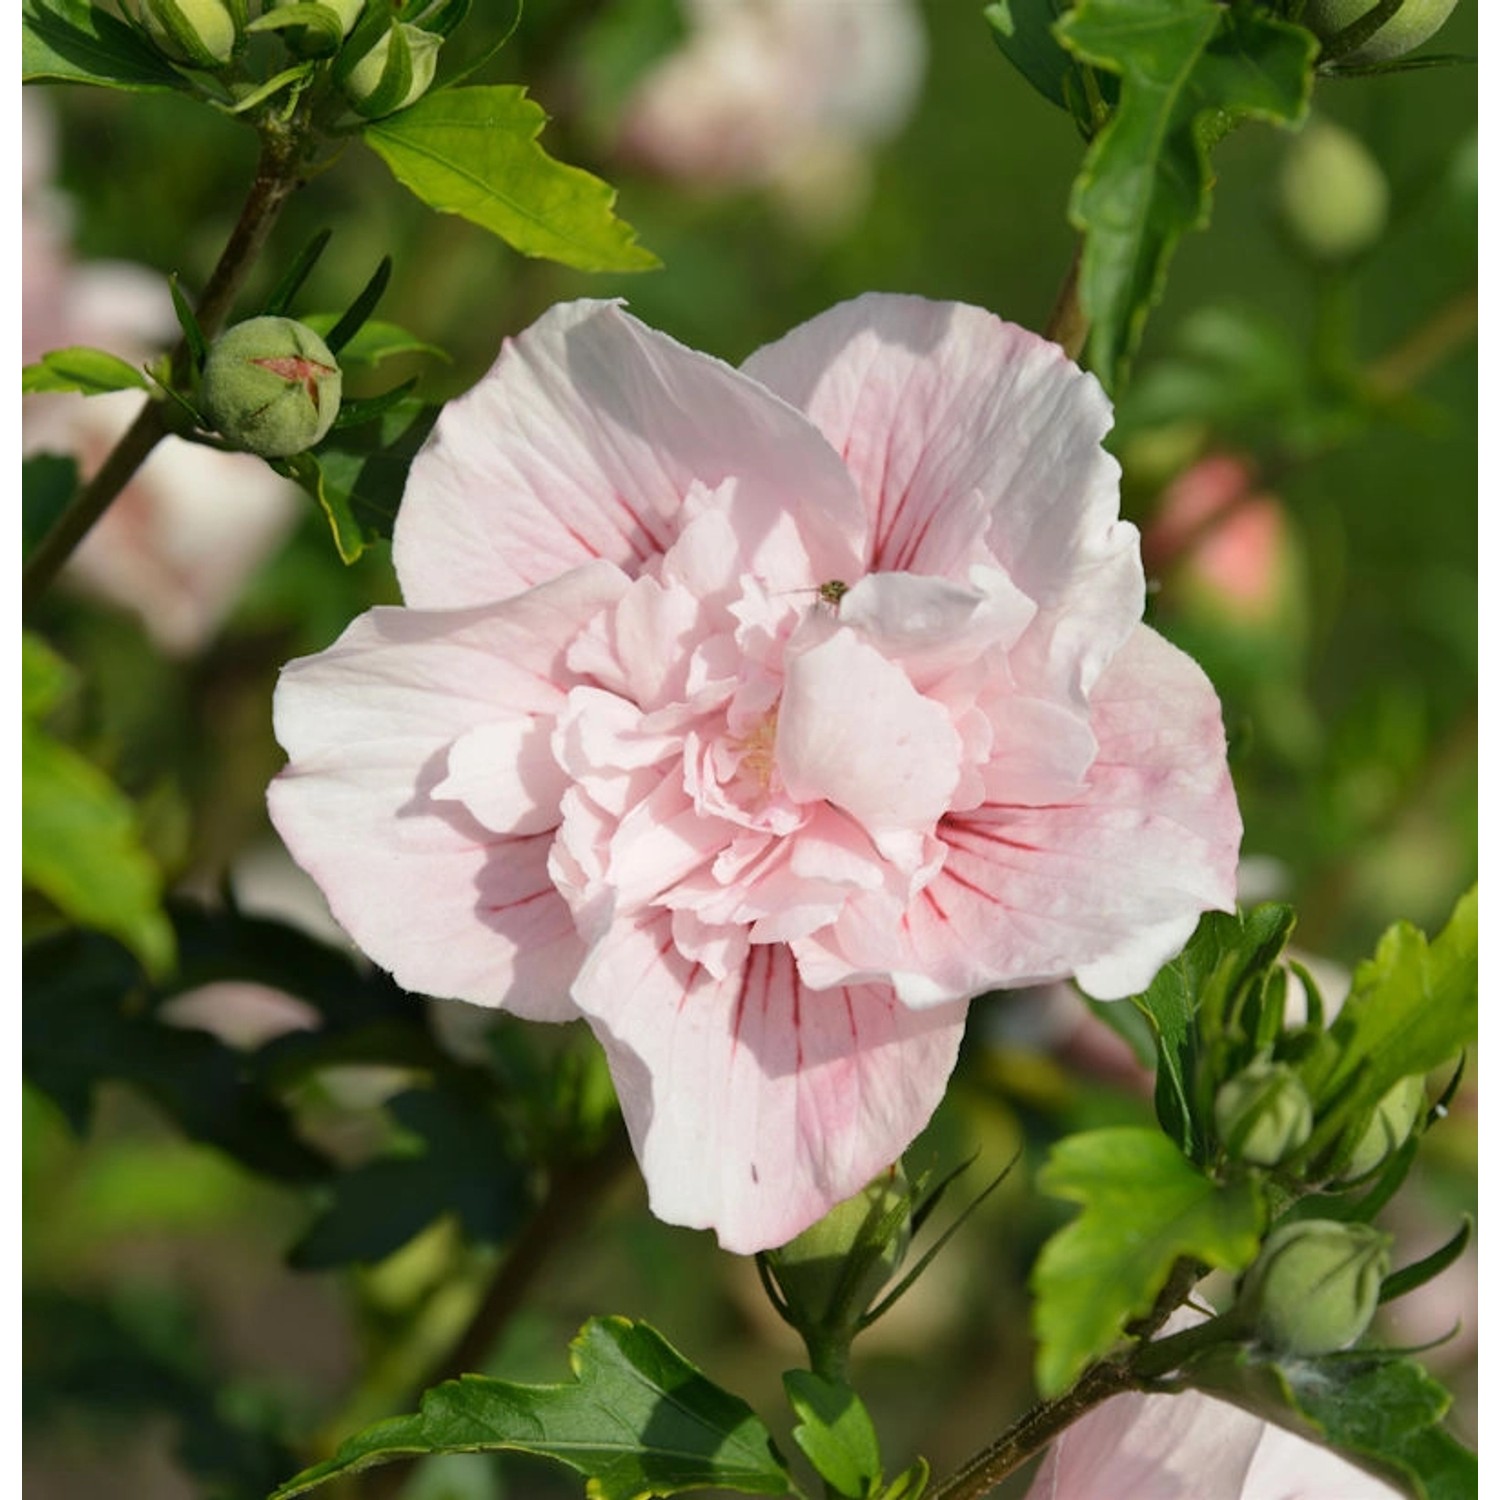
762	717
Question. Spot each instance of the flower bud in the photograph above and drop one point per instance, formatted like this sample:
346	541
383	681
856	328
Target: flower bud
200	32
1263	1114
1412	24
395	72
832	1272
271	386
1334	197
1393	1121
1316	1285
329	30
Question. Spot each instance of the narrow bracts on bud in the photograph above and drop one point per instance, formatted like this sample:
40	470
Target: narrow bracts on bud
200	32
271	386
1263	1114
1315	1286
831	1274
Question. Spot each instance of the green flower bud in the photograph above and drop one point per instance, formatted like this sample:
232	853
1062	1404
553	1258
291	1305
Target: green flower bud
200	32
1263	1114
395	72
832	1272
1334	197
271	386
318	28
1316	1285
1393	1121
1412	24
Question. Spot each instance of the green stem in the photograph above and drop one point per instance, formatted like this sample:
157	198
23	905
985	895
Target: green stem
277	176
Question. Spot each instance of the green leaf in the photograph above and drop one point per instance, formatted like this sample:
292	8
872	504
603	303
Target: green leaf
374	343
468	1166
359	473
835	1432
91	371
71	41
1023	30
1144	1206
1224	954
473	152
1379	1410
1189	70
638	1420
1412	1007
80	839
911	1484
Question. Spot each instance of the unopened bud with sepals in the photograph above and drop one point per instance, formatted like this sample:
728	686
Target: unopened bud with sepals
1315	1285
1263	1113
1389	1128
200	32
271	386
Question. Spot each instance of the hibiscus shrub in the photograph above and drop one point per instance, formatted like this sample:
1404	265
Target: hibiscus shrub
985	803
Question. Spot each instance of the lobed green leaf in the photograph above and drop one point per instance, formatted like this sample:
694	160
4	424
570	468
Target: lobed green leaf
637	1420
1413	1007
1189	70
835	1432
474	152
1144	1206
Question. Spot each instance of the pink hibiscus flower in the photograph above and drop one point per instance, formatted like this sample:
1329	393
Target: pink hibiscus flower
762	718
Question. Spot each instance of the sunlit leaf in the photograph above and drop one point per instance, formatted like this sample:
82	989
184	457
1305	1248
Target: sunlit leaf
93	372
1413	1007
474	152
835	1431
80	836
1144	1205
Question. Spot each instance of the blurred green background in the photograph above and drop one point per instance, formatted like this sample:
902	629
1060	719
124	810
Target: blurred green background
171	1350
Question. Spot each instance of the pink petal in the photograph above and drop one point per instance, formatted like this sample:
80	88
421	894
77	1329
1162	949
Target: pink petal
583	441
449	906
932	404
754	1103
853	731
1107	885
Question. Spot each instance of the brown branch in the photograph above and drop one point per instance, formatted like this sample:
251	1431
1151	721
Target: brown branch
1068	324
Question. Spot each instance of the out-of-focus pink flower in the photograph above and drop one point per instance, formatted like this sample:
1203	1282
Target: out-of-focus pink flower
1231	541
763	717
778	93
179	542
